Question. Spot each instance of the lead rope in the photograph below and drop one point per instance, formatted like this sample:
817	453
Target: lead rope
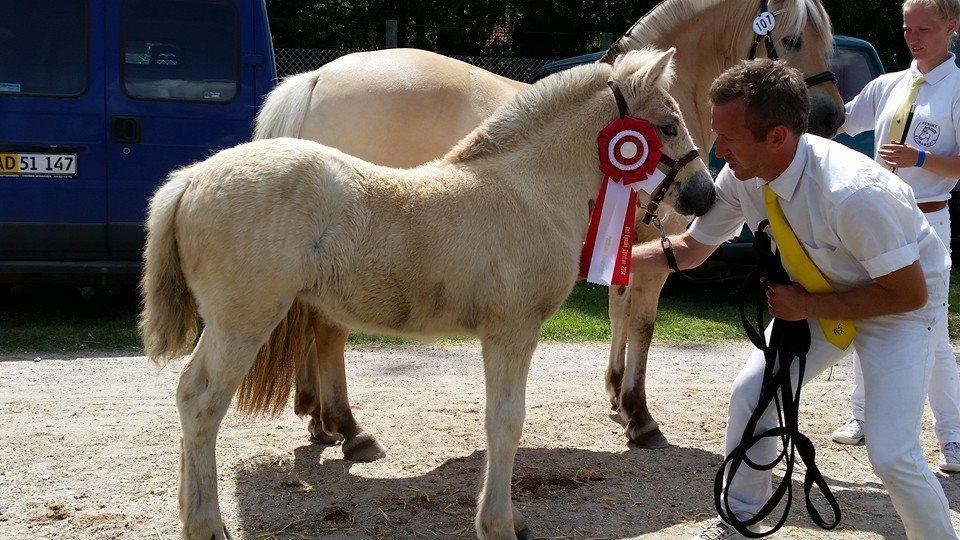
788	340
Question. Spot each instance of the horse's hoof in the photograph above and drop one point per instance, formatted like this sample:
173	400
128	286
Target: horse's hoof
524	534
363	448
649	436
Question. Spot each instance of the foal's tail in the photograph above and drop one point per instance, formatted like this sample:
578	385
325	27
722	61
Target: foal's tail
283	111
168	322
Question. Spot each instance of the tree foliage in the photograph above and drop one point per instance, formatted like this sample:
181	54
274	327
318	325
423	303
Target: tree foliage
535	28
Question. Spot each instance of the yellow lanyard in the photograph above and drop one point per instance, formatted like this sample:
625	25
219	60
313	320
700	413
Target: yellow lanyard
898	124
798	263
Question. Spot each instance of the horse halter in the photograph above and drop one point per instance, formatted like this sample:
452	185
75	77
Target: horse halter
674	166
764	23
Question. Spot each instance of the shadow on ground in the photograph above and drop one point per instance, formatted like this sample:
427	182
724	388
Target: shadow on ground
564	493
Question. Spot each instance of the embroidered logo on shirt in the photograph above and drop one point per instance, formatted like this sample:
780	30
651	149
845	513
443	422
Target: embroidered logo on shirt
926	134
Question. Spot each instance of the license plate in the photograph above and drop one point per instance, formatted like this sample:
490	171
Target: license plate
31	164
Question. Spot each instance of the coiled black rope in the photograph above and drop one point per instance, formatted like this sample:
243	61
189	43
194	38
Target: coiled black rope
789	340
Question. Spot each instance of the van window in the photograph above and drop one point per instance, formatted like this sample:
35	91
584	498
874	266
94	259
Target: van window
43	47
180	50
852	67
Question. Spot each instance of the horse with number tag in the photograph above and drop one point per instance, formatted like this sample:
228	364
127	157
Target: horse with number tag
405	107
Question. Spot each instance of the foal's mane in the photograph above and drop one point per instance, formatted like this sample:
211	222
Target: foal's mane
669	14
529	110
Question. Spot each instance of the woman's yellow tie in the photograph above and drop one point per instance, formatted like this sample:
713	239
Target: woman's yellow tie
796	261
898	124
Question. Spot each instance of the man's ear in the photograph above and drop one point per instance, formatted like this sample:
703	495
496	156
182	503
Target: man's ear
778	135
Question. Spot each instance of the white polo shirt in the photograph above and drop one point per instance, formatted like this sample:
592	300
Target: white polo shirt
936	121
856	220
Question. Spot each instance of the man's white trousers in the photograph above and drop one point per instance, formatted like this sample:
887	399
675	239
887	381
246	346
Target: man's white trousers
897	357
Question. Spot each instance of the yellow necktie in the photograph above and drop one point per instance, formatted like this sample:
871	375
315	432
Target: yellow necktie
796	261
898	124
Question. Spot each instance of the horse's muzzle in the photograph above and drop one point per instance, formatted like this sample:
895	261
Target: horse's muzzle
826	117
697	194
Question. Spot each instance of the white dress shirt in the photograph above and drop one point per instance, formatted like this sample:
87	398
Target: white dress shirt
856	220
936	121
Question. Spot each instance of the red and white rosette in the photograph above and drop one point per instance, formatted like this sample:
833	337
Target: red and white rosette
630	151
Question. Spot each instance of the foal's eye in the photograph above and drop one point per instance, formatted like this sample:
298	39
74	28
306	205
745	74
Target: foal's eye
669	130
793	42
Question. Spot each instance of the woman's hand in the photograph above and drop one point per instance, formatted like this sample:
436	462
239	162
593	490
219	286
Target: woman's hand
899	155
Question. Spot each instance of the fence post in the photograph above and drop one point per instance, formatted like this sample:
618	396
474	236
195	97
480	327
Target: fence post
391	34
606	40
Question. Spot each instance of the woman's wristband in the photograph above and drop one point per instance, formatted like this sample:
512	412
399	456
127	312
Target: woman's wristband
921	158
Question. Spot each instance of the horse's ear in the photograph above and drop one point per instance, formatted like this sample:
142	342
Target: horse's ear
662	73
645	70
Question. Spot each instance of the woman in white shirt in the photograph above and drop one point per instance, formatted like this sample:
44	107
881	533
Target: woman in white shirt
927	157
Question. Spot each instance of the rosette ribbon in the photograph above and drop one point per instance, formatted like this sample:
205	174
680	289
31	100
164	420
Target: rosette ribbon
630	152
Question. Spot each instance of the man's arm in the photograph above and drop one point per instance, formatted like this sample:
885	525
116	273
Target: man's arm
649	257
897	292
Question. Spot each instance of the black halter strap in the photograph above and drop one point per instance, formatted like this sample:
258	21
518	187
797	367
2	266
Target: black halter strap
767	39
674	166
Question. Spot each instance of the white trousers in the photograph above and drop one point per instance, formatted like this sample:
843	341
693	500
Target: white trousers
896	353
944	390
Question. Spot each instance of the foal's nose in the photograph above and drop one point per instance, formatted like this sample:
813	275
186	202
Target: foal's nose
697	194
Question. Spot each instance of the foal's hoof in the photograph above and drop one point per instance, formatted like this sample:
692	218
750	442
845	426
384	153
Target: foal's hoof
648	436
363	448
524	534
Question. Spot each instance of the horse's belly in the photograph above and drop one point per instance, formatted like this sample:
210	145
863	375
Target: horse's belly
391	310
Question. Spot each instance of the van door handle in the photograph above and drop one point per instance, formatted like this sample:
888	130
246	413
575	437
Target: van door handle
125	129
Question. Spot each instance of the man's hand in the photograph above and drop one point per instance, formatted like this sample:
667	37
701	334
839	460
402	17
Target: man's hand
899	155
788	302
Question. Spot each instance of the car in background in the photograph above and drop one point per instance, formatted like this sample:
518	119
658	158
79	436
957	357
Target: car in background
99	101
855	63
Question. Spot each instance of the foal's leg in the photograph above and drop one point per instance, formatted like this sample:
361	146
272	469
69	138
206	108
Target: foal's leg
207	385
332	415
641	427
619	309
307	399
506	363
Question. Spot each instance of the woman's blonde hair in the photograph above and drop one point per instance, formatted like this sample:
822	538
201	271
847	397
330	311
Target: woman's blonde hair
948	10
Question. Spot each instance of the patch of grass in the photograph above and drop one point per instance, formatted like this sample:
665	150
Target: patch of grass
56	319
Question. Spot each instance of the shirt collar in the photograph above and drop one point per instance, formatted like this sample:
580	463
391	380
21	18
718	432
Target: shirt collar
785	185
938	73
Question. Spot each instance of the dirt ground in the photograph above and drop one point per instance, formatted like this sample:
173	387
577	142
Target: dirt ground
88	449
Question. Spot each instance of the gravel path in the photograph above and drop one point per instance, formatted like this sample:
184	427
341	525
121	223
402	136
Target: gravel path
88	449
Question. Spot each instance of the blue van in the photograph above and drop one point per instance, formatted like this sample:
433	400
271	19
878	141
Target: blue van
854	61
99	100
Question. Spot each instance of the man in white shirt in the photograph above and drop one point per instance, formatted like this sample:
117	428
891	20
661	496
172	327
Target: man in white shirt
928	160
861	226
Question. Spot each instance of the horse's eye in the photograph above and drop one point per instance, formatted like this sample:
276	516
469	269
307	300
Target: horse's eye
669	130
793	42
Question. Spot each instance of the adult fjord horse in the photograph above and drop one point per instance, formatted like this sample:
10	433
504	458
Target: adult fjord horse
404	107
272	241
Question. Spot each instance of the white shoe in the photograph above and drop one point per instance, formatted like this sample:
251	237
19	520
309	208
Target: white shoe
851	432
719	530
949	457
